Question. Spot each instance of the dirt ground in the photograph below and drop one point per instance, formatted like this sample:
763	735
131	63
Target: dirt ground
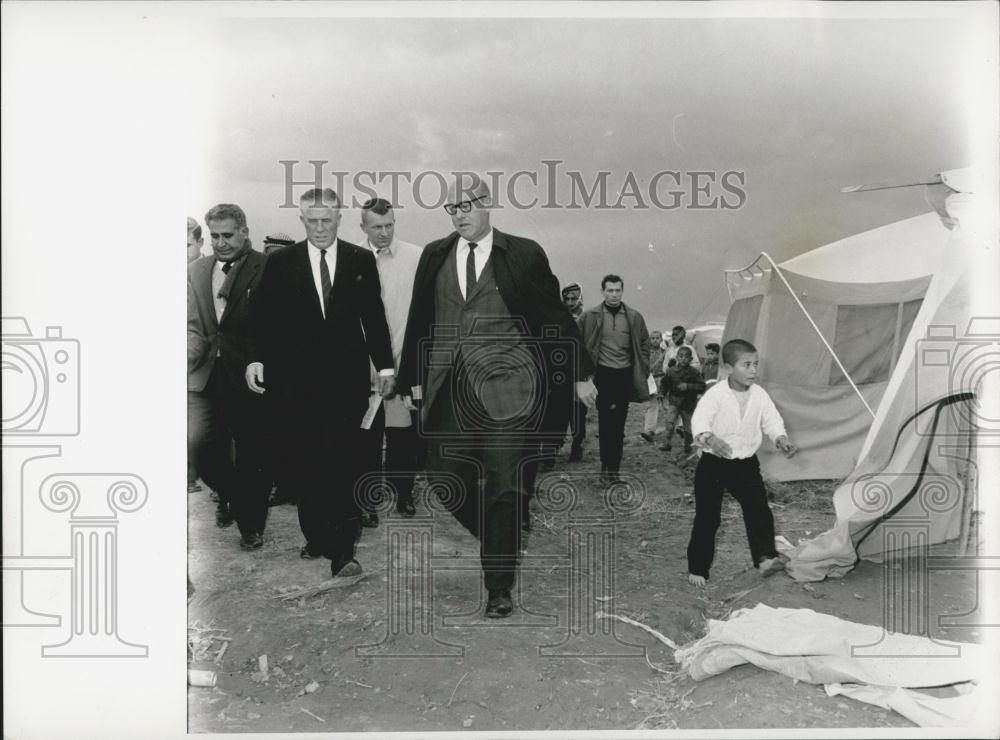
412	652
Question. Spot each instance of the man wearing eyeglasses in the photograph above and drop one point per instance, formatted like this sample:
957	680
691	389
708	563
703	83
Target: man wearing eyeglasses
318	319
489	351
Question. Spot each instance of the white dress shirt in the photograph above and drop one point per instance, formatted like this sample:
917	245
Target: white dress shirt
331	263
483	249
218	280
719	412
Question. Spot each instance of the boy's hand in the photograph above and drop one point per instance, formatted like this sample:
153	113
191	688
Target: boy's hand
784	444
719	447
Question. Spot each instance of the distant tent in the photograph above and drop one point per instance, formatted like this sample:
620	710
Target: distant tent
863	293
939	416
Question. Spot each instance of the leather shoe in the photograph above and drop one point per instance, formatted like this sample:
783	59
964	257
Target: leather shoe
251	541
499	604
407	509
308	553
345	568
369	519
223	516
647	436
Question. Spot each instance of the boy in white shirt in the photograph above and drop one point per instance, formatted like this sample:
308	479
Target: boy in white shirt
728	423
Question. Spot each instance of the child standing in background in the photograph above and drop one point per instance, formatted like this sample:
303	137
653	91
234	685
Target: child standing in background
681	386
728	423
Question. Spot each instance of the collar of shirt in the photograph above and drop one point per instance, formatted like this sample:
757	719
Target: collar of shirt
483	248
314	251
392	248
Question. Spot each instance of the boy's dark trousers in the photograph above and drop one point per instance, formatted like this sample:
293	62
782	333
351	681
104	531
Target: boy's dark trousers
742	479
614	387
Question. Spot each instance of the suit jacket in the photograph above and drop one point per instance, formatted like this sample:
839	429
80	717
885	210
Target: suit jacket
591	323
224	341
316	367
531	293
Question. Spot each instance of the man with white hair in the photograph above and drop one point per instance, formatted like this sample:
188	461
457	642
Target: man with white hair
318	319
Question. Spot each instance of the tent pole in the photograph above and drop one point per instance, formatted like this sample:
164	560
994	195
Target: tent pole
818	333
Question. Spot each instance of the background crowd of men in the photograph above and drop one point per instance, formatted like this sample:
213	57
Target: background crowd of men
337	371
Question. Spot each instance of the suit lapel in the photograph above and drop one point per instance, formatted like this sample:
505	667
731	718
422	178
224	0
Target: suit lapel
203	289
237	290
303	277
342	274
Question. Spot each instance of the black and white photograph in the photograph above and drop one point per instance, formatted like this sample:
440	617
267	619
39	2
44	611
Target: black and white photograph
630	368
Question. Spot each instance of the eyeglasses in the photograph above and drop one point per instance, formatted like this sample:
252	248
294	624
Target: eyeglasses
465	206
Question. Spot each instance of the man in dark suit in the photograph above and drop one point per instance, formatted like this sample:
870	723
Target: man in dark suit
221	411
489	353
318	318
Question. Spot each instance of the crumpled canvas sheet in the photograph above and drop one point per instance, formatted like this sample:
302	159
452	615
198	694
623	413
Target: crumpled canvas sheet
822	649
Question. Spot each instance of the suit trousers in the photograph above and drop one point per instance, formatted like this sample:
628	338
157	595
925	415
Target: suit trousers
322	469
401	459
614	388
222	418
742	479
578	425
477	477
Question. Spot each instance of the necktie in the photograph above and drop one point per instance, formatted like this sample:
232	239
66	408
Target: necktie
324	278
470	270
226	267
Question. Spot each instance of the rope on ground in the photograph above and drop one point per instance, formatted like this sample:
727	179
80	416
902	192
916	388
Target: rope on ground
655	633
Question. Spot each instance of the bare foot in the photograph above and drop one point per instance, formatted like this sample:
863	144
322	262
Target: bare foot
698	581
770	566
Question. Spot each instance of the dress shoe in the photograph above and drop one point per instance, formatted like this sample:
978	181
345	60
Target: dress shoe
252	541
309	553
223	515
499	604
666	447
345	568
407	509
575	455
648	436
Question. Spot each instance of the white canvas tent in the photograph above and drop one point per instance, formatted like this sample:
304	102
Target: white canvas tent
939	412
857	297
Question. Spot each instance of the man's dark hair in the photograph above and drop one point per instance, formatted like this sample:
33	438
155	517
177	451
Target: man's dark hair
734	348
227	210
713	347
678	328
611	279
378	206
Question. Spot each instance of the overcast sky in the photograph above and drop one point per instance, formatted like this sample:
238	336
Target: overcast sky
798	107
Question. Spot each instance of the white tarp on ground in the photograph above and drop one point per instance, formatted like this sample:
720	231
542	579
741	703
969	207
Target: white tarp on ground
859	660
